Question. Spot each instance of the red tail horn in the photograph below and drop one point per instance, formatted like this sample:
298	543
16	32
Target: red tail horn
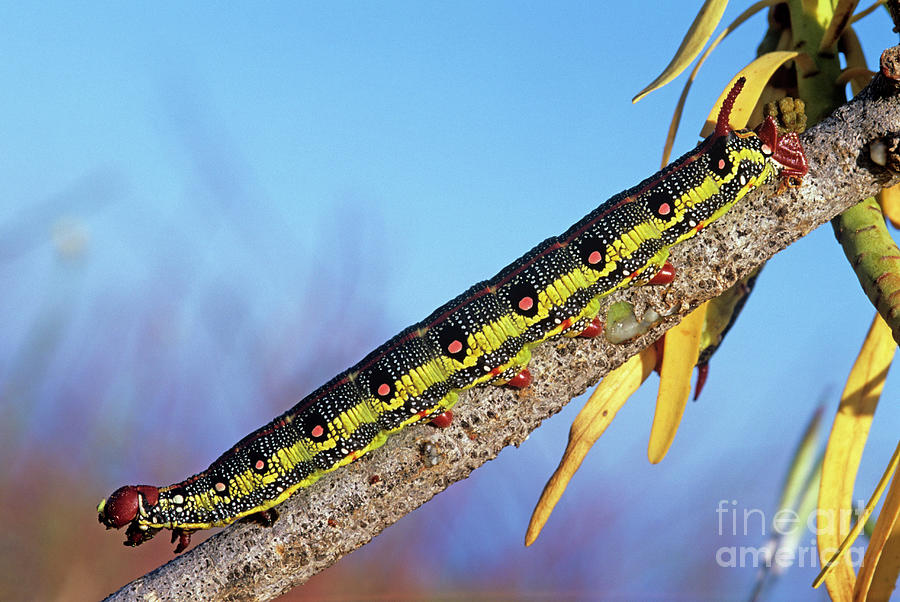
722	127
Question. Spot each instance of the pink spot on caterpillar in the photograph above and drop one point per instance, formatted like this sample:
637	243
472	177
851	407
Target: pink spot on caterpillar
384	389
317	431
595	258
259	465
526	303
721	163
593	329
665	209
220	487
443	420
520	380
455	347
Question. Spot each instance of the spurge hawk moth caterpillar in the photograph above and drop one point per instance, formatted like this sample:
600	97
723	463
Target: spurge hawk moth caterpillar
485	335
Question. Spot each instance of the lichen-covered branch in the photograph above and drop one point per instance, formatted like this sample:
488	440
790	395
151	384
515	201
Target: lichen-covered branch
349	507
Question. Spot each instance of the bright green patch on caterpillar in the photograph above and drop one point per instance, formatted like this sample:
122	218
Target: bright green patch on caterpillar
483	336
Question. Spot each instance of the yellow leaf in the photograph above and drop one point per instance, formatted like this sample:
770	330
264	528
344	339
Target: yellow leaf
606	400
881	564
701	29
840	555
890	204
676	118
758	74
845	447
839	20
680	351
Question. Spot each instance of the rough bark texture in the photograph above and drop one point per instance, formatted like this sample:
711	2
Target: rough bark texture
346	509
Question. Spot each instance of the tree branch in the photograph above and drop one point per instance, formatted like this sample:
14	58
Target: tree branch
348	507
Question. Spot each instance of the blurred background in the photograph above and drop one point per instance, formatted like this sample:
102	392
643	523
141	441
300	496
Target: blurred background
208	212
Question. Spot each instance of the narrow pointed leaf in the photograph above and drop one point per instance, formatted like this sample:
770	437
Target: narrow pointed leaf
853	50
845	448
679	108
856	71
839	21
606	400
701	29
805	457
799	496
839	558
758	74
806	505
680	351
858	77
881	564
866	11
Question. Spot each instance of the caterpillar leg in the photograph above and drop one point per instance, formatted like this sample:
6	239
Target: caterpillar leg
594	329
442	420
266	518
665	275
517	380
183	537
135	535
520	380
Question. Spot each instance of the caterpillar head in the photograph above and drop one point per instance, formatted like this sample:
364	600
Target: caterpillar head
126	504
785	150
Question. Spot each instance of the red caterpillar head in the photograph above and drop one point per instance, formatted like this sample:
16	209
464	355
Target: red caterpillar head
125	504
785	150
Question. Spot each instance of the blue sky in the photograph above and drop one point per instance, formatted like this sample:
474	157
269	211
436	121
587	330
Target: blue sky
258	196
